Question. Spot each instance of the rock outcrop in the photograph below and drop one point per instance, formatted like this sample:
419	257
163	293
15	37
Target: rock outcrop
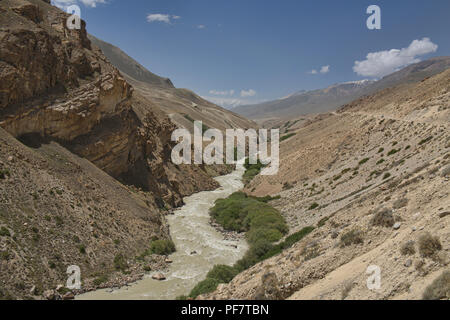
55	86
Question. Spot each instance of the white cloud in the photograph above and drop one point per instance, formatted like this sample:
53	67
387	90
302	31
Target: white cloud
381	63
201	26
222	93
158	17
176	17
65	3
248	93
325	69
92	3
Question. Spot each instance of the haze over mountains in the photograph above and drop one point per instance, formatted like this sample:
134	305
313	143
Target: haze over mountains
323	100
181	105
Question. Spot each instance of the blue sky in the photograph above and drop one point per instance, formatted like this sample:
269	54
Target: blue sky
247	51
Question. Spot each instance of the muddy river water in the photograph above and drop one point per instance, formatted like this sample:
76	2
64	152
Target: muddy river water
199	248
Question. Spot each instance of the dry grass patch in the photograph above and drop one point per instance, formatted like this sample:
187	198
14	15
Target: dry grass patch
439	289
429	245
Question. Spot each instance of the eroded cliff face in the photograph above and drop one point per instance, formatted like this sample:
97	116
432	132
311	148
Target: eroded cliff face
61	97
54	85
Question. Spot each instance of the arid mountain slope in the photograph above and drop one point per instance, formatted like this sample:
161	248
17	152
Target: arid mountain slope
373	179
73	134
181	105
128	66
331	98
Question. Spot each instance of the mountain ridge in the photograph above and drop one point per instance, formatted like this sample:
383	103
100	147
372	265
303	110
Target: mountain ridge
336	95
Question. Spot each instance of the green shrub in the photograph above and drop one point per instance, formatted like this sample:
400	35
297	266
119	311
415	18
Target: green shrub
101	279
4	173
162	247
290	135
266	199
4	232
206	286
380	161
263	225
255	254
392	152
288	242
120	262
222	273
82	249
386	176
363	161
425	140
251	170
241	213
272	235
313	206
380	150
322	222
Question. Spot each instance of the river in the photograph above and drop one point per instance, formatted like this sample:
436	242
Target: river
191	232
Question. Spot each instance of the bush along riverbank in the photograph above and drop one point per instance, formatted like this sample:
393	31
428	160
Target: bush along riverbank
263	225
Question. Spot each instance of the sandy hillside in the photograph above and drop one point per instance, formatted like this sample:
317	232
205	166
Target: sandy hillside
373	178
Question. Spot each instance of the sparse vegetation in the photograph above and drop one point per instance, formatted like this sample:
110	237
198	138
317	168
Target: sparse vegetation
287	186
439	289
422	142
311	251
429	245
4	232
162	247
120	263
222	273
242	213
206	286
363	161
251	170
82	249
351	237
322	222
313	206
4	173
383	218
285	137
400	203
392	152
346	288
408	248
266	199
101	279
